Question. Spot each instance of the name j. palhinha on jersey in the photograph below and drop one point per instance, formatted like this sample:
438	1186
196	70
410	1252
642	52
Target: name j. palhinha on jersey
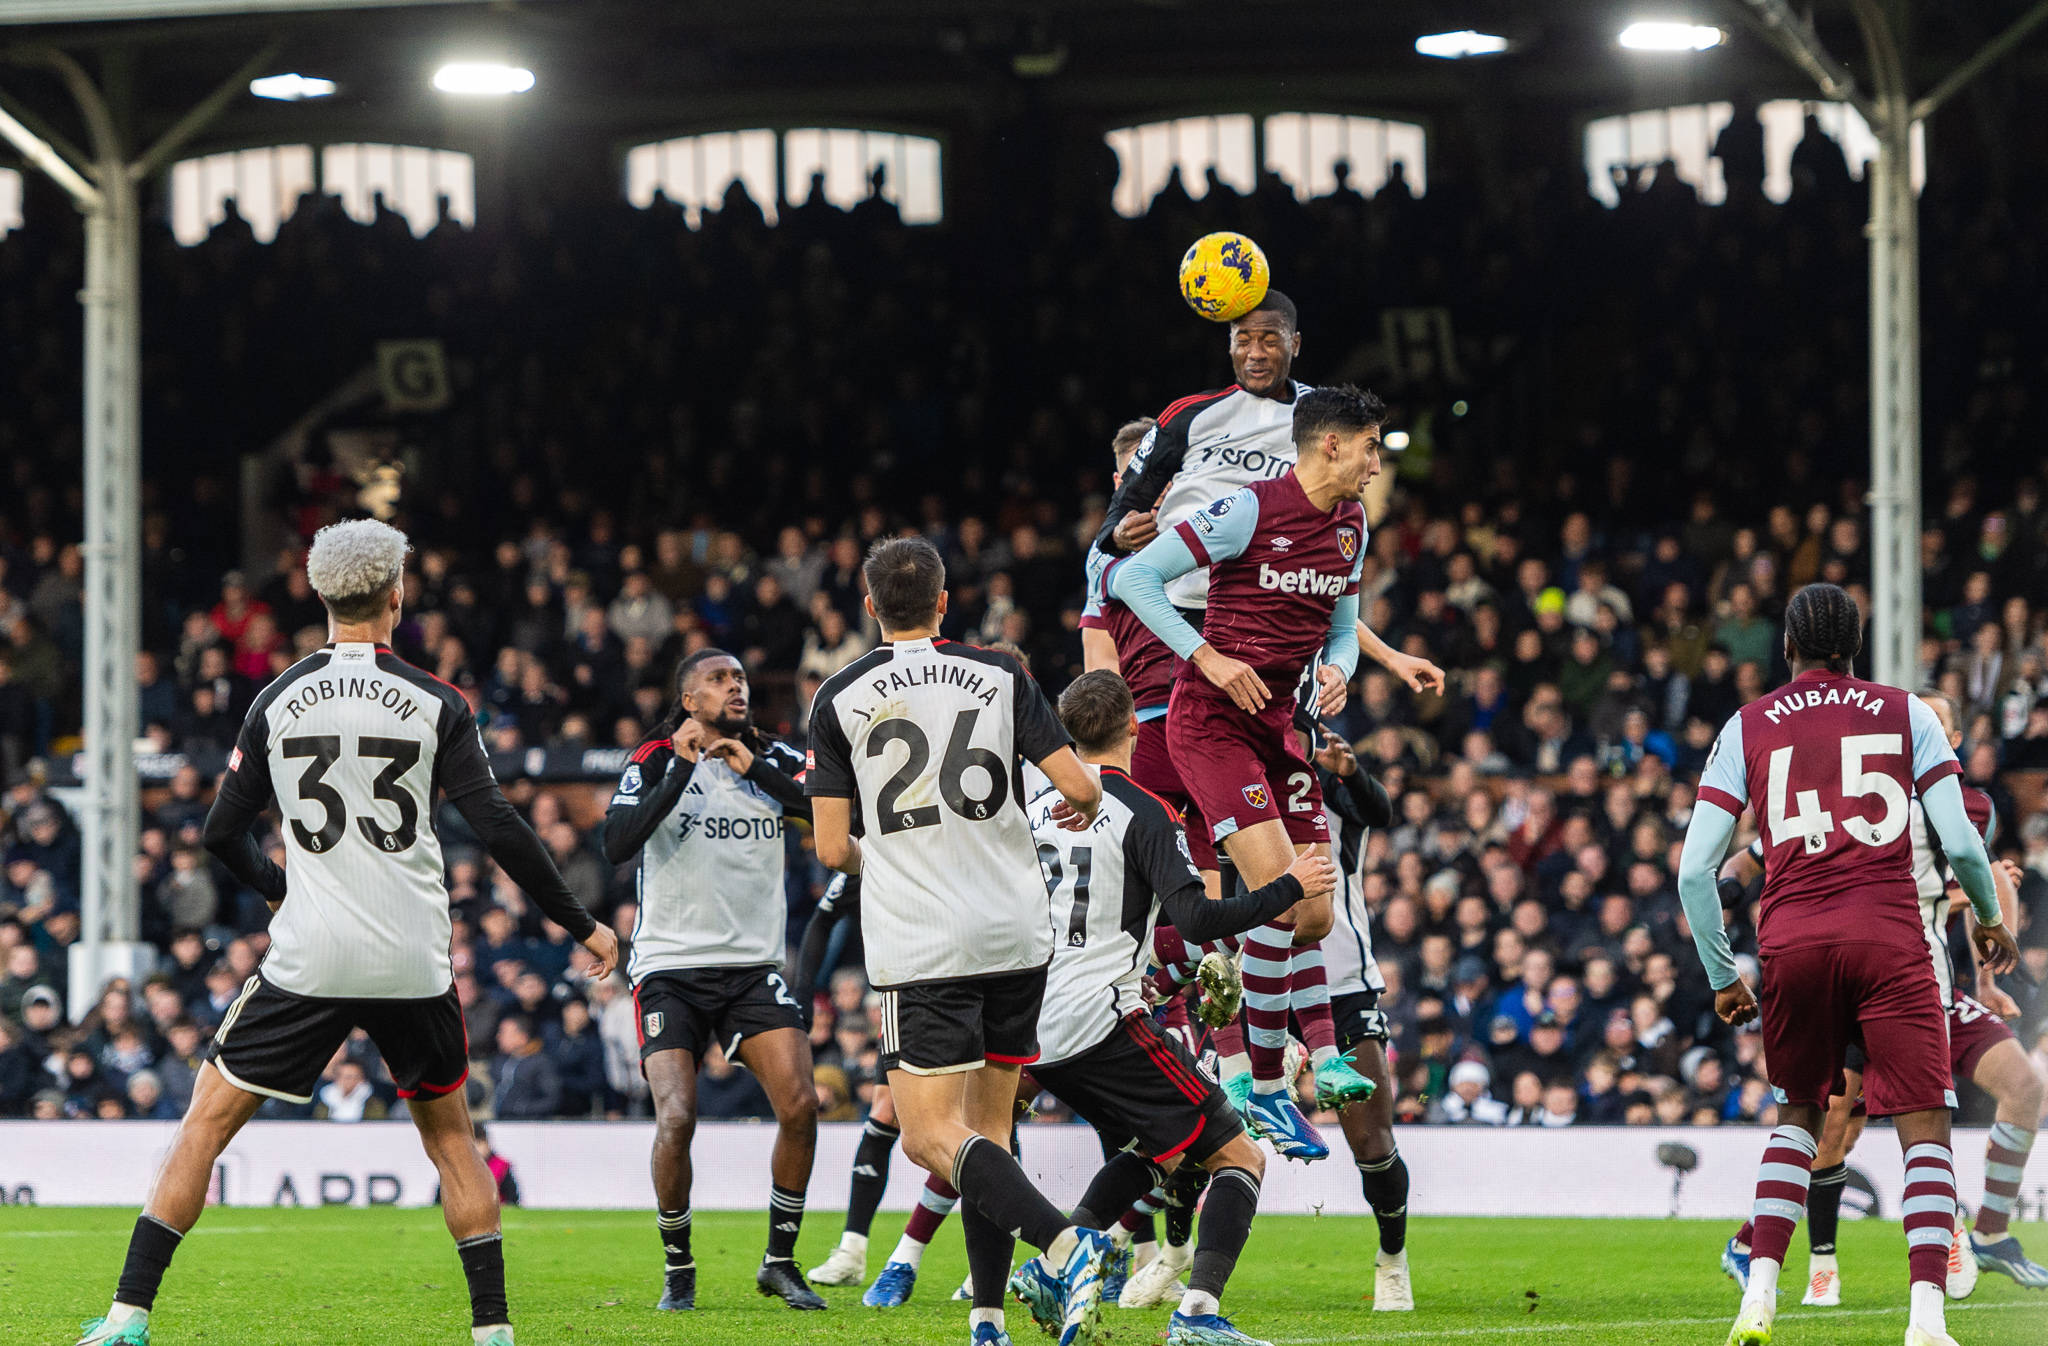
949	674
316	691
1796	700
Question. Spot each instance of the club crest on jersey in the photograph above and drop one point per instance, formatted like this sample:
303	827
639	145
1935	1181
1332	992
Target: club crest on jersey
1347	543
652	1024
1256	796
630	782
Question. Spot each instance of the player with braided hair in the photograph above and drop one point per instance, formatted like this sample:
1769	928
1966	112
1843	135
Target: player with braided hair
1830	762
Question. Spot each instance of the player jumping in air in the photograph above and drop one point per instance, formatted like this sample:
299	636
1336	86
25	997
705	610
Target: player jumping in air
1981	1049
1284	557
706	798
927	735
1830	761
1100	1052
360	741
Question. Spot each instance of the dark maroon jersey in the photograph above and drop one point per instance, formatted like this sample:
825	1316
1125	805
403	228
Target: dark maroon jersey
1143	659
1830	764
1278	568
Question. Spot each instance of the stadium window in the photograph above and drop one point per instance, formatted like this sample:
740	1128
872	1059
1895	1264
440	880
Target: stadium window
265	185
1149	154
694	171
10	201
1686	135
1304	148
848	159
413	181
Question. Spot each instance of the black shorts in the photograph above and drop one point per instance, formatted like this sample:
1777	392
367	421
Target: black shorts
689	1008
1141	1089
275	1043
939	1027
1359	1018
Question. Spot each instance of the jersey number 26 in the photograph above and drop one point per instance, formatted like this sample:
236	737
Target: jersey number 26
960	755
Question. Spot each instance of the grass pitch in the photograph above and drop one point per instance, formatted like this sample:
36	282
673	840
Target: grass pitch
342	1276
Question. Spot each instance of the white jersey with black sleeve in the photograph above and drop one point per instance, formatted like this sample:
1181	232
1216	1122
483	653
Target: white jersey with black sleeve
1202	449
1105	886
353	742
710	884
927	737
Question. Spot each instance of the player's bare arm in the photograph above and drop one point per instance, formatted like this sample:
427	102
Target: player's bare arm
832	833
1333	689
1080	791
1420	674
1098	651
1235	678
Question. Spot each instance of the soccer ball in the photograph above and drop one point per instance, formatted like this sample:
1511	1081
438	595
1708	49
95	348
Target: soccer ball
1224	276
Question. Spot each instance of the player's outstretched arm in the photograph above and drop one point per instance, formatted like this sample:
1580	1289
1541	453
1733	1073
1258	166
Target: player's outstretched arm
1420	674
1141	583
1098	651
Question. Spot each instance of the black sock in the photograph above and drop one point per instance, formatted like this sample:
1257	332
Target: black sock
1183	1191
675	1236
785	1221
1824	1207
986	1175
150	1249
1226	1224
989	1252
1148	1232
483	1266
1386	1191
1117	1184
870	1174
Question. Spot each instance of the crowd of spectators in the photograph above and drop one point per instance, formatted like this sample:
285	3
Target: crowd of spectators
665	437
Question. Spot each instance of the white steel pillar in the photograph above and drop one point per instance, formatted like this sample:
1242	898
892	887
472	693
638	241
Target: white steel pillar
1894	399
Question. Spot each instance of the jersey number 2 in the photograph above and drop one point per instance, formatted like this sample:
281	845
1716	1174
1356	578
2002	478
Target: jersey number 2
1813	823
960	755
324	750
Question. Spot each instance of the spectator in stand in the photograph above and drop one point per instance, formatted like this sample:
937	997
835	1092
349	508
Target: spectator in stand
525	1083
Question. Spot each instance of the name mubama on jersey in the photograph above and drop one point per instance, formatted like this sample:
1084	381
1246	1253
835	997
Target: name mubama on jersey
710	886
927	736
1203	448
352	742
1105	887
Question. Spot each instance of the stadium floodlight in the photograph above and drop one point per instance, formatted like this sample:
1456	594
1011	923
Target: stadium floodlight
1396	440
291	88
482	77
1666	36
1464	42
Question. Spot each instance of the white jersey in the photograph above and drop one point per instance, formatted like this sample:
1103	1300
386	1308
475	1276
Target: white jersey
710	885
1932	878
1348	960
926	737
1202	449
352	742
1105	887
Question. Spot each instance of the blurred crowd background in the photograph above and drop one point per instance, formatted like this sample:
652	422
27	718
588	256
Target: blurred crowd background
663	436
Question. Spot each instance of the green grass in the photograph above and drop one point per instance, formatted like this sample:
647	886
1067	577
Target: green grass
339	1276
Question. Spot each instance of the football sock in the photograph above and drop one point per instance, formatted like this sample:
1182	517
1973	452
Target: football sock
1226	1223
1308	992
1124	1180
150	1249
989	1250
985	1174
483	1266
1268	950
675	1236
1824	1207
2005	1161
935	1202
1386	1191
1780	1196
1183	1190
785	1222
1930	1214
1197	1303
870	1174
1744	1235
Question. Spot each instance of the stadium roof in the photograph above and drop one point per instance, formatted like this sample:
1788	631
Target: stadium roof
625	70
